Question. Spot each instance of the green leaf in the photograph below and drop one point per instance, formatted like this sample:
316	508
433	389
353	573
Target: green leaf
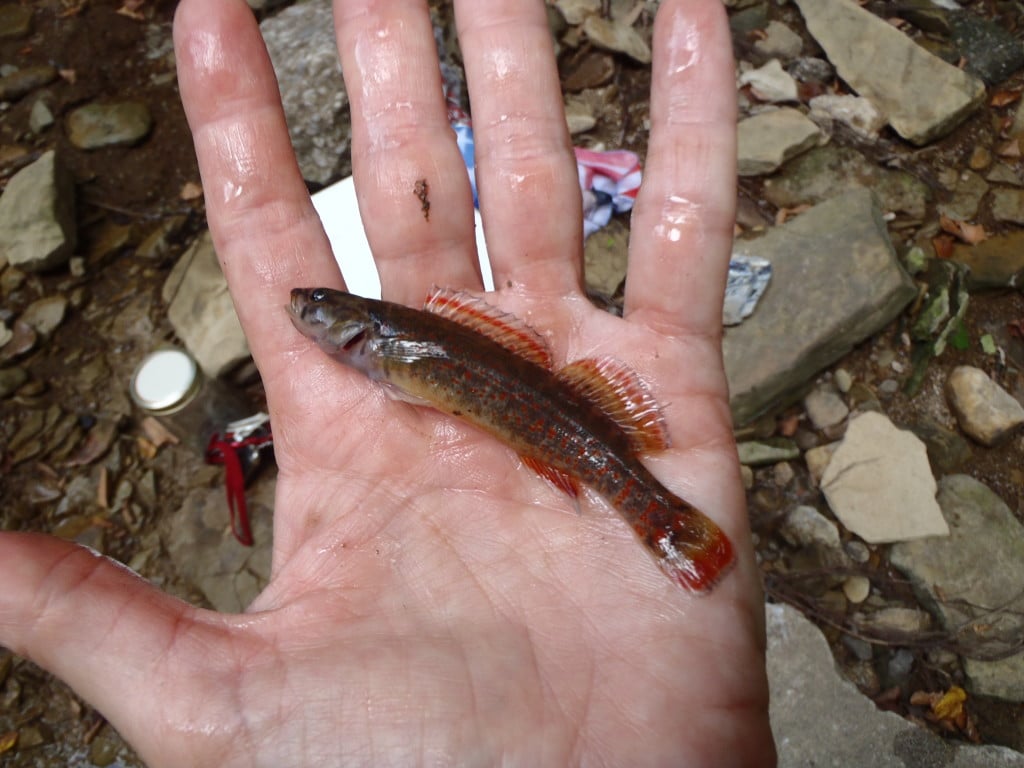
960	338
988	344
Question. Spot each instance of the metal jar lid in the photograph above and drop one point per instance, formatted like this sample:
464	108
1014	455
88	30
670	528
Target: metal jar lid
165	381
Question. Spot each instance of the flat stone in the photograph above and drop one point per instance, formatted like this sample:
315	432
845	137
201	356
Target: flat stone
37	216
984	410
201	311
968	189
1008	205
767	140
301	44
617	37
40	117
858	114
995	262
26	80
827	171
836	280
923	96
879	483
771	82
45	314
972	580
109	125
825	408
779	41
820	719
770	450
991	51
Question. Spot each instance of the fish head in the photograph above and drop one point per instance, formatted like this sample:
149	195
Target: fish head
337	321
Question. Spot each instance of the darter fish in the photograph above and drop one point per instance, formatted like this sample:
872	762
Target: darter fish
587	423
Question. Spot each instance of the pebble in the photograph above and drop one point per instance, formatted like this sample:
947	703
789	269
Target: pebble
894	619
779	41
824	407
861	649
46	314
768	139
37	216
899	666
889	387
108	125
817	460
10	380
771	82
768	451
858	114
26	80
985	411
857	588
783	474
857	551
843	380
805	526
40	117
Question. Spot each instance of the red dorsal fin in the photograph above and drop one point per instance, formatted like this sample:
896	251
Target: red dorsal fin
556	477
620	393
508	330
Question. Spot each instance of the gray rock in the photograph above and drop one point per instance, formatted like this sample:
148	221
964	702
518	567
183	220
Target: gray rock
770	450
122	123
40	118
605	258
968	188
201	311
991	51
879	483
616	36
771	82
767	140
300	40
985	411
37	216
45	314
923	96
947	449
779	41
1008	205
820	719
25	80
855	112
836	280
805	526
825	172
825	408
972	582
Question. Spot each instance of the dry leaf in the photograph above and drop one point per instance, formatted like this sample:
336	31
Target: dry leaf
787	213
145	448
964	230
1010	148
157	433
951	705
130	8
1004	97
102	496
70	76
943	245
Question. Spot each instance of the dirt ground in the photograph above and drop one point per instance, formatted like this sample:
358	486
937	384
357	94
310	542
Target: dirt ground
124	195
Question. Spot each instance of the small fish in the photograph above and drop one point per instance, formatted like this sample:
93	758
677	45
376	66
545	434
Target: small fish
587	423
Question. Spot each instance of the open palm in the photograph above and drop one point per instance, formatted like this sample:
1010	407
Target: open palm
432	601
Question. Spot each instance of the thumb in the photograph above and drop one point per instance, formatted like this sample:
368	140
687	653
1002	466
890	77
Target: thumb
118	641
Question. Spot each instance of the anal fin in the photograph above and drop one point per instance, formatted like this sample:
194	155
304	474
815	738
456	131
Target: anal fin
558	478
618	391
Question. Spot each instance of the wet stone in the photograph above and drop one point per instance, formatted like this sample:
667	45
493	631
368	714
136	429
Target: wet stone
108	125
26	80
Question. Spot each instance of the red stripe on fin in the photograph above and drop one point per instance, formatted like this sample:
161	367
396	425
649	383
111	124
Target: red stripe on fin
507	330
619	392
556	477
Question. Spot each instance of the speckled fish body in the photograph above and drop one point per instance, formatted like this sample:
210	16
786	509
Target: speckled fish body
558	423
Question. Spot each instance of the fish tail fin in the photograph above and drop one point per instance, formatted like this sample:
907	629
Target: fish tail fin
692	550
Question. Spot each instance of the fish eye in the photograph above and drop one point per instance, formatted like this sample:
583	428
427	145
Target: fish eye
318	294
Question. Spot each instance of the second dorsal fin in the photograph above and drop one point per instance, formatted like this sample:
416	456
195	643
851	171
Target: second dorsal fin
620	393
507	330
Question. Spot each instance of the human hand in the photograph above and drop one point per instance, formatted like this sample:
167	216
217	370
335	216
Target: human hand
431	600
